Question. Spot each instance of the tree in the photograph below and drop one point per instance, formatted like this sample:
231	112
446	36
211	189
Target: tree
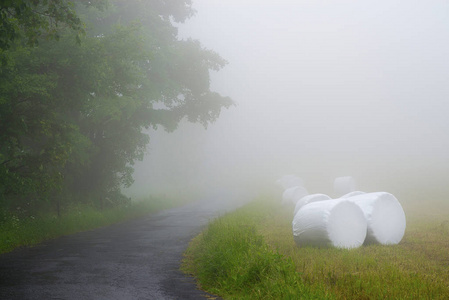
172	73
32	19
72	116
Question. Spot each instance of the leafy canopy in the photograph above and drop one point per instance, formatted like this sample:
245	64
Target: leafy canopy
72	115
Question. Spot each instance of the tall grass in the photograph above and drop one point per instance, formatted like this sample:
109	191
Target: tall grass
231	259
17	230
416	268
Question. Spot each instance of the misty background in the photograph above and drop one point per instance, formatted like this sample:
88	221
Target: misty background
322	89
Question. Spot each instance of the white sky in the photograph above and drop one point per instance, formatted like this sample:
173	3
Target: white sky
323	89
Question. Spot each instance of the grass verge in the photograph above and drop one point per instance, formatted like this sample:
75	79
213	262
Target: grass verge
17	231
250	254
231	259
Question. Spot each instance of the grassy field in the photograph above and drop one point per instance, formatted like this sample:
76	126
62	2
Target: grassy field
250	254
17	230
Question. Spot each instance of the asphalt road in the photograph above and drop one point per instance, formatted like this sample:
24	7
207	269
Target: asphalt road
138	259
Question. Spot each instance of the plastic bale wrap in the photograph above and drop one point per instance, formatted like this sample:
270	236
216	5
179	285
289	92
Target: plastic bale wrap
351	194
336	223
385	217
288	181
309	199
291	195
344	185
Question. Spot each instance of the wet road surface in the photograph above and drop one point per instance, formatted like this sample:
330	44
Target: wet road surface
138	259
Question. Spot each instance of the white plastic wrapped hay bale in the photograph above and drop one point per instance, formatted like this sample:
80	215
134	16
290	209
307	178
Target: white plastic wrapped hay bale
336	223
344	185
299	193
291	195
288	181
309	199
352	194
385	217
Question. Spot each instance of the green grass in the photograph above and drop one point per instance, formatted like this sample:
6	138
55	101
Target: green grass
17	231
231	259
259	237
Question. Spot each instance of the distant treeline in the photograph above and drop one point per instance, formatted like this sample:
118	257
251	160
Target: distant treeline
79	82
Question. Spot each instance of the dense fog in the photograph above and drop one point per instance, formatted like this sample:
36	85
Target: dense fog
322	89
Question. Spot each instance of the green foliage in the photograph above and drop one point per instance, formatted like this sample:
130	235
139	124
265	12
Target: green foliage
231	259
32	20
416	268
72	115
29	150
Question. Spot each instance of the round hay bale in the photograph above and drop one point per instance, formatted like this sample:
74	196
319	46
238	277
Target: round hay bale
309	199
351	194
288	181
385	217
291	195
334	223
